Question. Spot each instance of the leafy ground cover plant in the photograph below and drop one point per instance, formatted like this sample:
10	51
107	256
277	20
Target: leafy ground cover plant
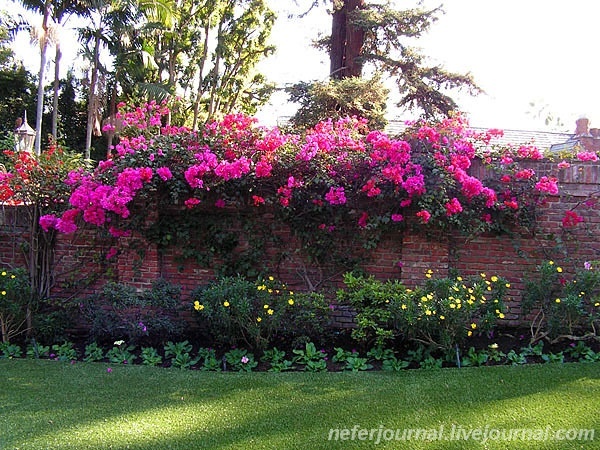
64	352
240	360
93	352
310	359
9	351
37	351
150	357
180	354
209	359
276	360
121	353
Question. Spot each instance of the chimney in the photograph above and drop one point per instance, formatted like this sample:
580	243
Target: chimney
581	126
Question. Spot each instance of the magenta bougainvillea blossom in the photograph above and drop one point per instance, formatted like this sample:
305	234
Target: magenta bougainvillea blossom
337	168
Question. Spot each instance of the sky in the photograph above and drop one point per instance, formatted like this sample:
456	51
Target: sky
519	51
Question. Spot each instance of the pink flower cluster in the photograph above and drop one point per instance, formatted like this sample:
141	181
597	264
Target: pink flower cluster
336	163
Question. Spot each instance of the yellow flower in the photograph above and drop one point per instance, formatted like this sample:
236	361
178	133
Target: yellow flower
290	301
12	277
3	292
291	293
262	287
404	306
559	269
459	278
442	317
225	303
428	275
452	305
597	304
483	275
3	274
271	278
266	306
469	333
551	263
270	291
198	306
494	278
507	285
501	315
428	312
493	346
270	312
258	319
473	325
557	300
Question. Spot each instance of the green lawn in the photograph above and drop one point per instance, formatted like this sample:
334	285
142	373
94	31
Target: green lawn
52	405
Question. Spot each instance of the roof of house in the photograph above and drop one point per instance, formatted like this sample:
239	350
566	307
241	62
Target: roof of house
544	140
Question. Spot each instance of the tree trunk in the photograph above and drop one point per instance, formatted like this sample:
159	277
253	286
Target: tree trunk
56	86
346	42
40	93
92	102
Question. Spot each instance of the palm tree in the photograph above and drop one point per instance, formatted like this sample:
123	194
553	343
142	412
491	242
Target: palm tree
62	11
45	7
113	28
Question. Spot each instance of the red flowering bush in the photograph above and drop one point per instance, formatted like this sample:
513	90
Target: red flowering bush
337	177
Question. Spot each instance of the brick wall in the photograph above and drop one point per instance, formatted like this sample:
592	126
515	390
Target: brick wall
404	256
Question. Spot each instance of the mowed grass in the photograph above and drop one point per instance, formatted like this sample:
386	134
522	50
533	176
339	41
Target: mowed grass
53	405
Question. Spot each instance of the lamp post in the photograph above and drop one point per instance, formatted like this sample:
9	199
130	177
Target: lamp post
24	136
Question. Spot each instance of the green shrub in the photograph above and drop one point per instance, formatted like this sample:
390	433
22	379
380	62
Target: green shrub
563	306
376	304
120	312
445	312
14	302
235	311
442	313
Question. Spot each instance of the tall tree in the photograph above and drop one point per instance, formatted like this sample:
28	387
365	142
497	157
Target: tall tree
347	40
45	7
63	9
16	85
372	34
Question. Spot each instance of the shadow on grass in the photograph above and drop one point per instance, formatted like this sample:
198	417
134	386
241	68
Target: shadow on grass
51	405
